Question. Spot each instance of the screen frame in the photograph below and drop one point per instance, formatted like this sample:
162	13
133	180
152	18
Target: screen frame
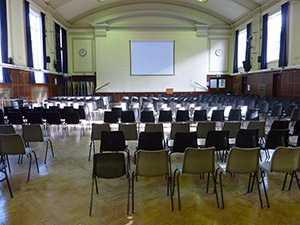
160	40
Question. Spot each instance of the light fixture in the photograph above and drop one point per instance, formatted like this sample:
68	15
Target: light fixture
202	1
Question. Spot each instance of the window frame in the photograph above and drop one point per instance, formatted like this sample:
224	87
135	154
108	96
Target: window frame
243	51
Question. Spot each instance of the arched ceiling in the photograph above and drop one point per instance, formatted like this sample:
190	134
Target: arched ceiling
85	12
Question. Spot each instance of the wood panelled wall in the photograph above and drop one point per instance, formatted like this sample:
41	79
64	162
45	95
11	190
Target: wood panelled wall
20	86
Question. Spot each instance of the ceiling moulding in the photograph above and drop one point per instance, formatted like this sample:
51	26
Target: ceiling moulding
131	2
54	14
140	13
250	15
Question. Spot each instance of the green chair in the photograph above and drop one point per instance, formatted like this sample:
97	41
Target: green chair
242	161
7	129
178	127
261	126
129	130
109	166
203	128
155	127
152	164
34	133
233	128
13	144
197	162
284	160
97	135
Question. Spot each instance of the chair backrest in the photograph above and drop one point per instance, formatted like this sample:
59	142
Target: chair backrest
217	115
218	139
34	117
285	159
15	117
165	116
280	124
235	115
72	117
110	117
154	127
198	161
118	110
12	144
296	130
179	127
247	138
260	125
53	117
127	117
147	117
32	133
252	114
81	112
182	116
129	130
276	138
295	115
184	140
290	110
264	108
109	165
97	130
2	120
277	110
200	115
7	129
150	141
152	163
112	141
233	128
204	127
243	160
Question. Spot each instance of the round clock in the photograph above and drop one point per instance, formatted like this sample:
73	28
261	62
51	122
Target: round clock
82	52
218	52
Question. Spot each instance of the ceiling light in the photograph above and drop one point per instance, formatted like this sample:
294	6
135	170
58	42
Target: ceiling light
203	1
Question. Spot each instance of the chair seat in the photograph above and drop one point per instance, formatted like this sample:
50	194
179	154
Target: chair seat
265	166
222	167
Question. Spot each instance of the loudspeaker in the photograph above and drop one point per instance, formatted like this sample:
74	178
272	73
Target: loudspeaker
247	66
48	59
259	59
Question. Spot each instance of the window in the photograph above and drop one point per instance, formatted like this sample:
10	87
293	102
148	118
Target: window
274	29
37	45
242	41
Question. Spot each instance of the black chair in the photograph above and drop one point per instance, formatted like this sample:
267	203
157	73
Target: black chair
296	115
114	141
217	115
276	138
127	117
110	117
53	118
34	117
2	120
252	114
147	117
280	124
296	130
235	115
118	110
182	116
81	112
184	140
72	118
276	111
165	116
15	117
109	166
150	141
219	140
247	138
200	115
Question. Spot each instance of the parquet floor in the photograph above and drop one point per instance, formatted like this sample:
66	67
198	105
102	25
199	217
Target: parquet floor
60	194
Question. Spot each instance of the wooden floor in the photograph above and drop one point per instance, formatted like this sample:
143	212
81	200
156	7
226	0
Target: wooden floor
60	194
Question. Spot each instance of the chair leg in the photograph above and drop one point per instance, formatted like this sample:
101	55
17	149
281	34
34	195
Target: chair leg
128	192
265	189
291	181
90	150
47	146
36	162
207	185
132	193
8	184
96	184
284	182
215	188
8	165
249	182
258	188
30	159
297	179
168	186
91	202
171	194
51	147
222	198
178	192
174	181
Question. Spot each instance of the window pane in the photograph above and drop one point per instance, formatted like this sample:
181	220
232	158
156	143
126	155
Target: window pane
274	29
37	47
242	47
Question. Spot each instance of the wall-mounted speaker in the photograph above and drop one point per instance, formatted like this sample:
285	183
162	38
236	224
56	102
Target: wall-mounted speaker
48	59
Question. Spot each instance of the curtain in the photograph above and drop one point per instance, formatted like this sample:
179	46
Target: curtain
284	35
235	61
46	81
4	41
248	48
263	60
65	50
57	48
28	43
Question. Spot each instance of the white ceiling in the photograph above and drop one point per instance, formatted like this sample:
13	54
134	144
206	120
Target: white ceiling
227	11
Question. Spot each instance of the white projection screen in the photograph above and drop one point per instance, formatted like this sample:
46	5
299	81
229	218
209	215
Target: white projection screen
152	57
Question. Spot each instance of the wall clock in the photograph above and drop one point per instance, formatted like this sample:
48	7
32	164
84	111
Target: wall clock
82	52
219	52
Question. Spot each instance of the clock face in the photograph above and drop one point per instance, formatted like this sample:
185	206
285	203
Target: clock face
219	52
82	52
